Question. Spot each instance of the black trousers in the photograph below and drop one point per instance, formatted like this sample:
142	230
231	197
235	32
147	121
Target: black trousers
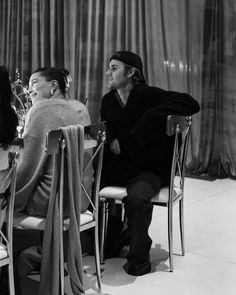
138	208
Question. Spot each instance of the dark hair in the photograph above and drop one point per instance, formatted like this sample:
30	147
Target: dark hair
137	77
52	73
8	116
66	74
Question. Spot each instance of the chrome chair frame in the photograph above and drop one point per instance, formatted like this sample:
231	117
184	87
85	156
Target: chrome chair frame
178	126
7	238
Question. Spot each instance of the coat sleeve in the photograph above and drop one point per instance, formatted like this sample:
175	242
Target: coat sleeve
110	131
152	124
34	157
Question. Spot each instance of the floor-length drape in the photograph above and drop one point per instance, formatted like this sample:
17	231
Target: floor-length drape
186	45
227	87
213	144
203	84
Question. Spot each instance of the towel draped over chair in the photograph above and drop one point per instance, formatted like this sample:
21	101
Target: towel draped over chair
49	274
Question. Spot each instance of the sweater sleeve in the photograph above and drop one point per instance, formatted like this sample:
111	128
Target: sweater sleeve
152	124
82	112
33	160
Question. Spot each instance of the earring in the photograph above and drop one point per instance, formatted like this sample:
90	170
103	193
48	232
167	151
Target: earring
51	91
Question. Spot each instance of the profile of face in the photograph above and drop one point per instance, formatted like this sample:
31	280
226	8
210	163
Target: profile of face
39	87
117	76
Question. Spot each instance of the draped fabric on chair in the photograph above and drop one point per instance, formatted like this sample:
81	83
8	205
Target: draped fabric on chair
49	272
186	45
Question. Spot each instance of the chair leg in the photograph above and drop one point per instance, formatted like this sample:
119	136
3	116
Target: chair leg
61	261
11	278
97	258
170	236
181	222
104	222
11	266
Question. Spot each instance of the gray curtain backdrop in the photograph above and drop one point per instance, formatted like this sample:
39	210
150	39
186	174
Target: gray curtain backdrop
186	45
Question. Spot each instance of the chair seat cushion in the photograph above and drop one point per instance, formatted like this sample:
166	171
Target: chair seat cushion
118	193
29	222
38	223
3	251
113	192
163	195
85	218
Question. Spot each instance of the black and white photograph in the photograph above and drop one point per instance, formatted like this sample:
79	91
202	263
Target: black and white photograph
117	147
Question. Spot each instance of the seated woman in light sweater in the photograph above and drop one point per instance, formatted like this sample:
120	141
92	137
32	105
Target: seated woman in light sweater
50	110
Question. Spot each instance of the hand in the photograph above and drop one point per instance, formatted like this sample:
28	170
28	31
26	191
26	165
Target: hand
115	147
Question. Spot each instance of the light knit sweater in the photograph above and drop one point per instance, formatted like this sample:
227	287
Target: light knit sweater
34	174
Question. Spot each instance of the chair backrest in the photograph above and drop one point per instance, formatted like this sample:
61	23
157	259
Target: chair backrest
7	192
68	145
94	138
178	126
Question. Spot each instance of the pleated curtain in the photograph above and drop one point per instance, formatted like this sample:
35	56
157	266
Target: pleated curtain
186	45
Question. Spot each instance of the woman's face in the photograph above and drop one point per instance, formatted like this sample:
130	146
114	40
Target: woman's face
39	87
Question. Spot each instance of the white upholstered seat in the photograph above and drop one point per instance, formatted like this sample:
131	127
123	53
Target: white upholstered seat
38	223
3	251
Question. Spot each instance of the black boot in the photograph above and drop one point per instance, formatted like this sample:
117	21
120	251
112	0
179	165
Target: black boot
120	242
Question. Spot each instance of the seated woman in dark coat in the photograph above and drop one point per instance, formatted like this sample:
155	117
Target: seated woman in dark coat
8	117
8	124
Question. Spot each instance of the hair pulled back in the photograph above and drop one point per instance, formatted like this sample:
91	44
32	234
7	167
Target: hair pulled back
53	73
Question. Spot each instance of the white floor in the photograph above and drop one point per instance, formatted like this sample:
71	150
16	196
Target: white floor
209	265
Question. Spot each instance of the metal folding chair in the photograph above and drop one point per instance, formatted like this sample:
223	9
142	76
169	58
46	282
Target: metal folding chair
7	198
178	126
